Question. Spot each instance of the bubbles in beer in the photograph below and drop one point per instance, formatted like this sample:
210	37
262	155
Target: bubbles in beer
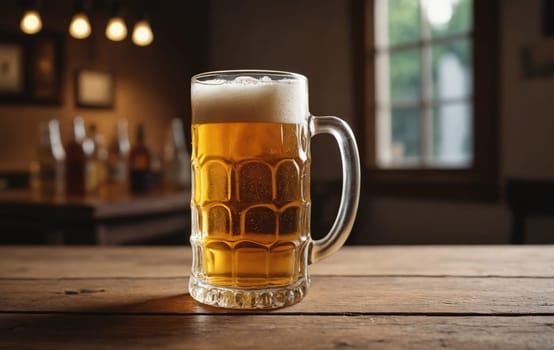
255	182
289	221
287	181
247	80
215	190
260	223
218	221
251	203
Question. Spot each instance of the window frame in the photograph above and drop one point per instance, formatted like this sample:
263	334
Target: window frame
477	182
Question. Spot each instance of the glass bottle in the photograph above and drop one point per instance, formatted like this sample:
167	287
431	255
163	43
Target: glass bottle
76	160
140	164
50	160
118	157
176	160
98	169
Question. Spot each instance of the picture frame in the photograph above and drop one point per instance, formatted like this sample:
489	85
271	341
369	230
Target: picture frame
538	59
94	88
12	70
45	69
31	68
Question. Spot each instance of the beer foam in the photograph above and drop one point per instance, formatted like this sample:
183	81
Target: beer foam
248	99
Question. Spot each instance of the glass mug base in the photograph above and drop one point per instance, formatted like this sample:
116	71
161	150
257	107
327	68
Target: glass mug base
234	298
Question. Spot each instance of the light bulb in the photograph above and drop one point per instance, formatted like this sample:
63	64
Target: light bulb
116	29
31	22
80	26
142	33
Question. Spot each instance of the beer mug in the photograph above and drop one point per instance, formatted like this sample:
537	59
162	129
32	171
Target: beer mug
250	203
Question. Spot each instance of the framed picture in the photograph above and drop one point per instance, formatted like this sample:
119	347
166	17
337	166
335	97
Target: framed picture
45	69
12	79
537	58
30	68
94	88
11	68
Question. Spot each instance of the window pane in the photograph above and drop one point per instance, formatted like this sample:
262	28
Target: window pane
449	16
405	75
440	86
452	69
405	143
403	21
452	135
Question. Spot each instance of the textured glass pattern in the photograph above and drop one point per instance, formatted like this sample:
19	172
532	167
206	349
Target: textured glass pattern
250	203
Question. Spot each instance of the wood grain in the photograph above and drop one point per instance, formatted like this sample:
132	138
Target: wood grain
69	262
84	262
368	295
362	297
274	332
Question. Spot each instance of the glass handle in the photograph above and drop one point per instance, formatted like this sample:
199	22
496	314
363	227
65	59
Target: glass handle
350	196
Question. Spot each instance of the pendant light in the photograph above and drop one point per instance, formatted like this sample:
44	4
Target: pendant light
80	28
142	32
31	23
116	30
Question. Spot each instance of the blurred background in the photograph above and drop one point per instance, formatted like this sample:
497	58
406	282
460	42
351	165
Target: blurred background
450	101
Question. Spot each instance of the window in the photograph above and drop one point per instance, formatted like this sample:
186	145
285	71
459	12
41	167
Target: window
429	104
423	83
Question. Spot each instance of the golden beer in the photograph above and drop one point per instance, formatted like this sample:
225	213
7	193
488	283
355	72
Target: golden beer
251	203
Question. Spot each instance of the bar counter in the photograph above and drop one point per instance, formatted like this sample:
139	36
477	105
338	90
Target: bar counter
27	217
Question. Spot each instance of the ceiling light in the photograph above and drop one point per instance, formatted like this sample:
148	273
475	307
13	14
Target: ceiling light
142	33
116	29
31	22
80	26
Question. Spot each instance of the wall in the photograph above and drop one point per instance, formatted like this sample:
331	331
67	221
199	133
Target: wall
308	37
152	83
313	37
528	117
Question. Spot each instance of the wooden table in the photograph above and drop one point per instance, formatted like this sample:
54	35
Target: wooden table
418	297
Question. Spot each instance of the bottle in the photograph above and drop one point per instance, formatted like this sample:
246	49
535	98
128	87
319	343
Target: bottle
76	160
176	160
50	160
118	157
140	164
98	167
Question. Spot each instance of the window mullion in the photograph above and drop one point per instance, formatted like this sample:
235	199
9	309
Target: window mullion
426	114
382	74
